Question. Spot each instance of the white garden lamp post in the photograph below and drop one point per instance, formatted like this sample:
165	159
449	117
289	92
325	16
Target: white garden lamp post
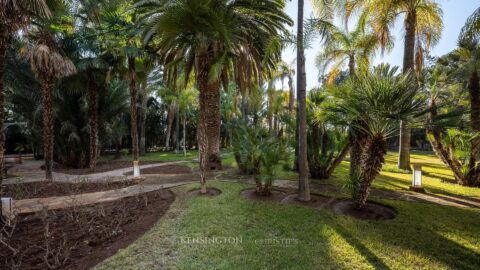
136	169
417	179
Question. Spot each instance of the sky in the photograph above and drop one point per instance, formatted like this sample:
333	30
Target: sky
455	13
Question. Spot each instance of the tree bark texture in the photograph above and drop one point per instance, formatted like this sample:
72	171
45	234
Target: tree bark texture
93	119
303	185
132	76
408	66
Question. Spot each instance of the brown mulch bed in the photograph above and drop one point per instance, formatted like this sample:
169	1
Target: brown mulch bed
275	196
371	210
210	192
102	166
54	189
80	237
167	169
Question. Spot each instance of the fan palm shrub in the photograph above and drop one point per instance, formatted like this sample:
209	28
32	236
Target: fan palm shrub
259	153
327	140
373	104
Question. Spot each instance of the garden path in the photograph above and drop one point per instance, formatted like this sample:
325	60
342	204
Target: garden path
30	171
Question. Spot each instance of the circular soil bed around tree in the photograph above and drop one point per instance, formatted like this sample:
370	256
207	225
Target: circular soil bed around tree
167	169
371	210
275	196
80	237
210	192
316	201
46	189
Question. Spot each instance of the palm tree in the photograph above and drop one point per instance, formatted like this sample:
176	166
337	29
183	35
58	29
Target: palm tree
214	37
423	26
354	48
186	101
303	186
373	103
48	65
286	71
14	15
458	147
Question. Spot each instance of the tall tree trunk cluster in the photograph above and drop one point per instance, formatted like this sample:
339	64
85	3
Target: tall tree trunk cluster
446	152
408	66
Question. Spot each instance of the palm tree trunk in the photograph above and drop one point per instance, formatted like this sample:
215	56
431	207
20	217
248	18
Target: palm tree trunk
373	158
132	76
303	187
205	88
351	65
177	130
93	119
143	119
170	118
210	107
184	135
3	53
291	95
474	90
47	92
408	66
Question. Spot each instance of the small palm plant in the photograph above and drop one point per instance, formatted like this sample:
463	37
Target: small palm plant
259	153
374	102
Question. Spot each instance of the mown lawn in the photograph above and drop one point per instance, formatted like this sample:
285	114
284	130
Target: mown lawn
273	236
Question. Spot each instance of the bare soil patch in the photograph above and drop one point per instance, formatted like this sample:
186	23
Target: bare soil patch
371	210
46	189
167	169
211	192
80	237
275	196
102	166
317	201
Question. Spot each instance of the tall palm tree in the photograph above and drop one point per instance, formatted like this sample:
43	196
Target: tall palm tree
14	15
423	26
215	38
303	186
48	65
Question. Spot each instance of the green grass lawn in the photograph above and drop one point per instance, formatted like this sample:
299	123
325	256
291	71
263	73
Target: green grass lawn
437	178
273	236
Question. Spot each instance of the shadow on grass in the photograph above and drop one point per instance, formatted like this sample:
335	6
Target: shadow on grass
373	259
